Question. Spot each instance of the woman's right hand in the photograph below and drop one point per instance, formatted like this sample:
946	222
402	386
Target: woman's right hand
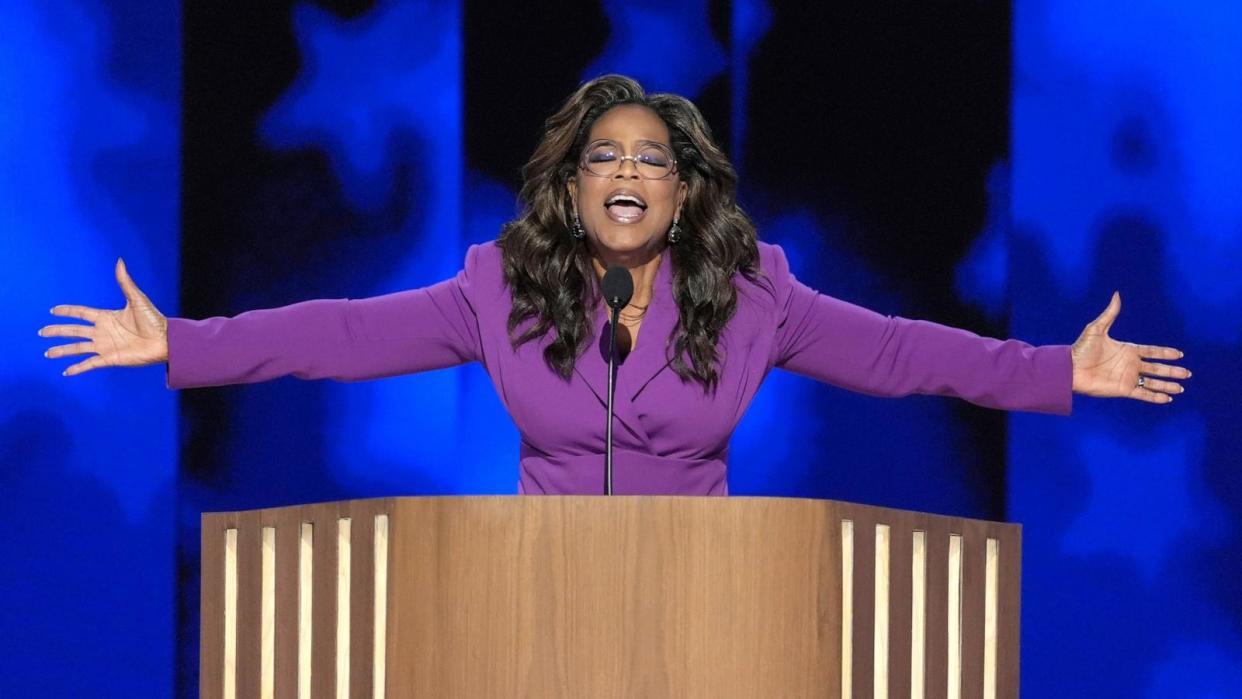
136	335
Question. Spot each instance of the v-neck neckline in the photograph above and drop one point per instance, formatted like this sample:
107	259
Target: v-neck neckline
661	292
656	318
646	360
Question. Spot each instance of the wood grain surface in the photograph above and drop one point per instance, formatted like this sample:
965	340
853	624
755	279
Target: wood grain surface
593	596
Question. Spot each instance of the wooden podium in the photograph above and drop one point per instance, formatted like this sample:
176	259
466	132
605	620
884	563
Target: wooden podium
594	596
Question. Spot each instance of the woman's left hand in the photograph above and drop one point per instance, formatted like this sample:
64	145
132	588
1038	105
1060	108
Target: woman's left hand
1107	368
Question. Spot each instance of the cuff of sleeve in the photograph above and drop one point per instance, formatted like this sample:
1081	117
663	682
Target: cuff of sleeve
173	369
1054	372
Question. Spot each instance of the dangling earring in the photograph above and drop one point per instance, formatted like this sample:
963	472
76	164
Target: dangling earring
674	233
576	229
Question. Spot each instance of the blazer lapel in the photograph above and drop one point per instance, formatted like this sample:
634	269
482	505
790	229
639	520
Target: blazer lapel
592	368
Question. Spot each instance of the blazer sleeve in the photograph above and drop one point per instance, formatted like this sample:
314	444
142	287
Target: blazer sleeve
849	346
341	339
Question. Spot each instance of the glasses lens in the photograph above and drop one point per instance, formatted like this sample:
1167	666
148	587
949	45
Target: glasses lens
653	161
602	159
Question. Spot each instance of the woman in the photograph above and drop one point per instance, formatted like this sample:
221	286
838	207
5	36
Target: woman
622	178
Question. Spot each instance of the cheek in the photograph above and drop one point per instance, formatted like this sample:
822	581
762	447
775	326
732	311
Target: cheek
591	195
663	196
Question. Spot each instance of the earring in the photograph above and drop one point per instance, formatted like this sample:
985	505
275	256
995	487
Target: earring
576	229
674	233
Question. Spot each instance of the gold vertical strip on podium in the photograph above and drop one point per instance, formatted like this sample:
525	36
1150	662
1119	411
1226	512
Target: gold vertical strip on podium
306	561
847	608
230	613
955	617
342	607
880	646
918	615
990	616
378	648
267	616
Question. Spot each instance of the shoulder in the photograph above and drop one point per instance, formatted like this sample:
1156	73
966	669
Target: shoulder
772	261
484	259
482	276
771	282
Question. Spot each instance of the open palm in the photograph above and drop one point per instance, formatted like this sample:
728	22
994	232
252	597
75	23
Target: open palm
1109	368
135	335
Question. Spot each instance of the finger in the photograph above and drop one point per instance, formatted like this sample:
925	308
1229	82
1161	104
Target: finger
128	287
1154	369
1154	352
82	312
86	365
70	349
1160	386
67	331
1105	320
1150	396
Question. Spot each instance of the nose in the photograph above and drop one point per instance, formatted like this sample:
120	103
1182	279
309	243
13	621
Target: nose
633	161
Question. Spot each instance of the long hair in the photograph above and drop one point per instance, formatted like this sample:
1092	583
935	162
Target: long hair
550	274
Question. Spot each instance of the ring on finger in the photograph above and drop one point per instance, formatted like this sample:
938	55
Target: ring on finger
1142	381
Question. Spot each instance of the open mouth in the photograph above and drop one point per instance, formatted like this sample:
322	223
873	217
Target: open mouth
625	207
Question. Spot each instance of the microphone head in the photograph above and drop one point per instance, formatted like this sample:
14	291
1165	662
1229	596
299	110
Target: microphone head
618	287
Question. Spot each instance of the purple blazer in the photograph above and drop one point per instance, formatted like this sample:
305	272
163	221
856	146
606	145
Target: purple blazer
669	437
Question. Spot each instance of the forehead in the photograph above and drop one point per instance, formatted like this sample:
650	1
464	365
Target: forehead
630	122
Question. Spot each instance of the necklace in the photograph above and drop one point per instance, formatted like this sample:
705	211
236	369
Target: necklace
630	320
635	316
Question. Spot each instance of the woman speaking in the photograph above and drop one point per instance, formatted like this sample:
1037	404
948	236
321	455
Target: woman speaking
622	179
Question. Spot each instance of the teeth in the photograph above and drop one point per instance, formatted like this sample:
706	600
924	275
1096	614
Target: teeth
624	198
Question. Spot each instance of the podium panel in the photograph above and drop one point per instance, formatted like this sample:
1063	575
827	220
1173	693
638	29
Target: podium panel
623	596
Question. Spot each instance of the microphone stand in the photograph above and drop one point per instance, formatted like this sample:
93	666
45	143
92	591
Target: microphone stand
617	287
612	389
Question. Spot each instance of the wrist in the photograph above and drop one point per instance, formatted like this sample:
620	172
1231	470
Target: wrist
1076	378
162	346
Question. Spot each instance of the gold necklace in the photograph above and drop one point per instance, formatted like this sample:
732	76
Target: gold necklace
631	320
635	317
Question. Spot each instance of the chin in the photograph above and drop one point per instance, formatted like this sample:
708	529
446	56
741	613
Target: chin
626	241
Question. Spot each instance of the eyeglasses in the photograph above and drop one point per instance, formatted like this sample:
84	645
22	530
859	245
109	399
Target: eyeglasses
653	161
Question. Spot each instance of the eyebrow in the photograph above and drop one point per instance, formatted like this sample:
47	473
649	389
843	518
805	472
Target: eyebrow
640	142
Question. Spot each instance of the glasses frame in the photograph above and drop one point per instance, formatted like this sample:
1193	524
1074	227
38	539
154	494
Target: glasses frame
582	159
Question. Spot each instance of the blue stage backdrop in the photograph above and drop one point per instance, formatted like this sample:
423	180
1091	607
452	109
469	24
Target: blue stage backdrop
1127	176
347	149
89	138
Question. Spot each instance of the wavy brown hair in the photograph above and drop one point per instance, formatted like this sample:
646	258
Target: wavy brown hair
550	274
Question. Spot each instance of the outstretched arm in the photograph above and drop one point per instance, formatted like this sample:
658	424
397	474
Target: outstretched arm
343	339
861	350
858	349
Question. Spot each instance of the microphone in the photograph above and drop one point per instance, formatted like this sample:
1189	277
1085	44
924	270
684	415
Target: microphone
618	288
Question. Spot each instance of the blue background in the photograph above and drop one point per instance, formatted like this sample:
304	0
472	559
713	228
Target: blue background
1002	170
